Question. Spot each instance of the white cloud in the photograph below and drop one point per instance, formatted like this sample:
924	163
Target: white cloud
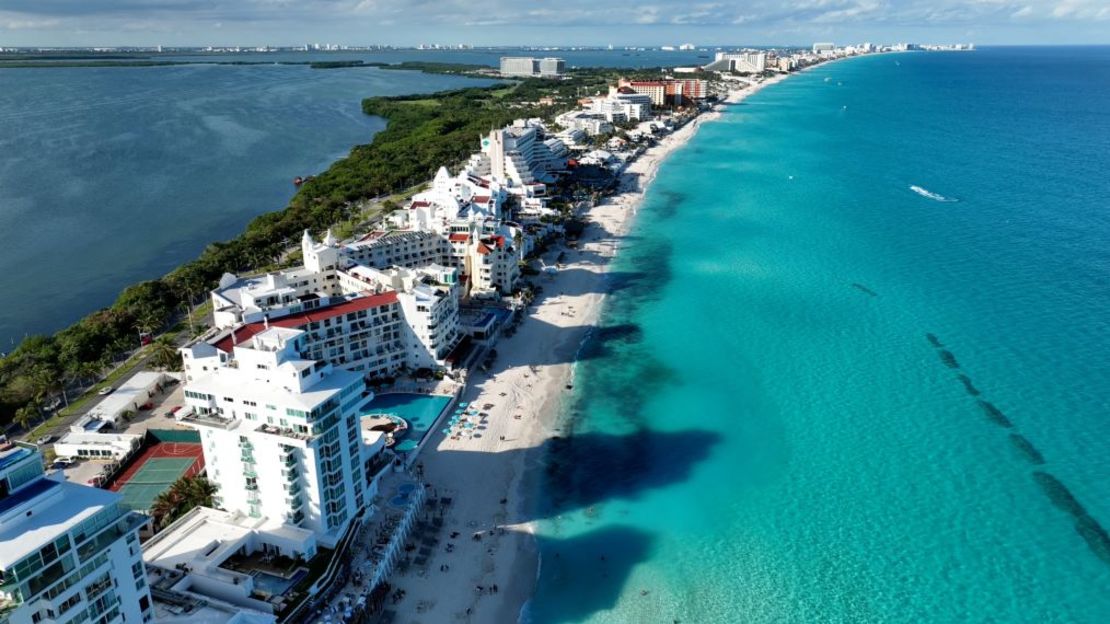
385	19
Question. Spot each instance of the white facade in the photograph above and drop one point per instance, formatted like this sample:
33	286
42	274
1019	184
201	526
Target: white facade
68	552
128	397
407	248
584	121
750	61
188	560
92	445
529	67
280	433
514	158
429	300
249	299
492	266
371	326
623	104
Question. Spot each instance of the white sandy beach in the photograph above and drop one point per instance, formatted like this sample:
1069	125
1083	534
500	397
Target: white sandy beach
484	475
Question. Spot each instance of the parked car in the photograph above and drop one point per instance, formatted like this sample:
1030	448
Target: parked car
44	440
106	390
62	462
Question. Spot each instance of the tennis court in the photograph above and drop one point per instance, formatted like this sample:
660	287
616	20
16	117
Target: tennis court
156	469
153	478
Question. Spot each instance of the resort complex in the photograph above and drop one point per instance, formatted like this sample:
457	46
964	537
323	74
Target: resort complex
311	458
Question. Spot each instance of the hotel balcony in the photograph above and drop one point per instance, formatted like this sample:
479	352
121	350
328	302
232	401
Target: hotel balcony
287	433
209	420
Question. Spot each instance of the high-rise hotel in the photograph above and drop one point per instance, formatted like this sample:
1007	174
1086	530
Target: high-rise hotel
280	433
68	553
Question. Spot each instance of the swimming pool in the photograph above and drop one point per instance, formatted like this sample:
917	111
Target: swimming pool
420	410
13	456
403	496
276	585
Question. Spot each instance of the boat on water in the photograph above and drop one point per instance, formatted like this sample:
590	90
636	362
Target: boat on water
297	181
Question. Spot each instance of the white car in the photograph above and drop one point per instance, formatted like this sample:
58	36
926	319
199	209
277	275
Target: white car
62	462
44	440
106	390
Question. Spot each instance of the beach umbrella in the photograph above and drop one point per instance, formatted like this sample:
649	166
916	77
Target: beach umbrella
463	404
446	432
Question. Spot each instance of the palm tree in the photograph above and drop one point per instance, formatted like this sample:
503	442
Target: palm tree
44	381
148	321
24	415
185	494
164	354
89	371
163	508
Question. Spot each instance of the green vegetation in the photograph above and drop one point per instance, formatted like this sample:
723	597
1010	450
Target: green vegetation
436	68
185	494
418	140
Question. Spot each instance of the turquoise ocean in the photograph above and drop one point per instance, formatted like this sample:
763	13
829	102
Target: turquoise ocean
820	395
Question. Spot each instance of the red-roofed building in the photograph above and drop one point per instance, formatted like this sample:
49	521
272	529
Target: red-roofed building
364	334
677	91
493	266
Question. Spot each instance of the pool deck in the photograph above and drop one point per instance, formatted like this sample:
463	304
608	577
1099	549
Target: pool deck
446	389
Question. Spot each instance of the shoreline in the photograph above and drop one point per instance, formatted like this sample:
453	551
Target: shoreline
531	379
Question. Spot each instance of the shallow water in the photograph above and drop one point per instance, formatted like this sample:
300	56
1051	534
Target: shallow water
823	397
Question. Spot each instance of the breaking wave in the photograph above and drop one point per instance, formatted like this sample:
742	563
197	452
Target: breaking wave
931	195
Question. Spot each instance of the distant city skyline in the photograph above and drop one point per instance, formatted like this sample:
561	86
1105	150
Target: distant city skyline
570	22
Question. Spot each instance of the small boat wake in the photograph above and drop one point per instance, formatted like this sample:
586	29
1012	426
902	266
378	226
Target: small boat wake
931	195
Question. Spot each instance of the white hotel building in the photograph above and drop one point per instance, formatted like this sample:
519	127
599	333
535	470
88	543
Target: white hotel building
746	62
280	433
355	318
527	66
68	553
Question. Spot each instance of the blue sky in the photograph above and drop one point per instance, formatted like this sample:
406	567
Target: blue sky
548	22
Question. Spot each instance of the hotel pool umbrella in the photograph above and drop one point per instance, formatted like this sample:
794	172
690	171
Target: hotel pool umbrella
463	404
446	432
